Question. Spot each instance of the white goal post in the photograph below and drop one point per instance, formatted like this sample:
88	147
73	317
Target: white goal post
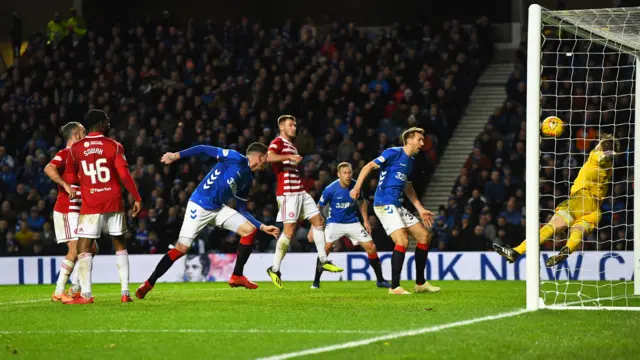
604	32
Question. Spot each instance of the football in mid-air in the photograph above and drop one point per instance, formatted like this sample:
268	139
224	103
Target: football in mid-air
552	126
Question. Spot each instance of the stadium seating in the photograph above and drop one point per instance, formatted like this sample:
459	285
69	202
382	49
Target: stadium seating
169	88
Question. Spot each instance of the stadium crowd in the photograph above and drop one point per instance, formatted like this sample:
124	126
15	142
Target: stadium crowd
487	204
167	88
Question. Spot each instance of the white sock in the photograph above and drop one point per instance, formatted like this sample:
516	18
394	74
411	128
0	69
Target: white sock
75	280
318	239
65	271
282	246
85	264
122	262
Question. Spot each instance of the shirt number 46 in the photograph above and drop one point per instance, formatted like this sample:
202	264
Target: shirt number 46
96	171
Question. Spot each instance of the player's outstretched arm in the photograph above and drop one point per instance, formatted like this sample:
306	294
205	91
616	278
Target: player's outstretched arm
364	173
269	229
52	172
211	151
426	215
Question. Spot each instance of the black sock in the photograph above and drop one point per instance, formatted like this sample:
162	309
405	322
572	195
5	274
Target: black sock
421	264
244	251
165	263
318	271
397	261
377	269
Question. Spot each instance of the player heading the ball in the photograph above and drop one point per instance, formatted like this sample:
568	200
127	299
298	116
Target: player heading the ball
294	203
230	179
581	212
396	165
342	220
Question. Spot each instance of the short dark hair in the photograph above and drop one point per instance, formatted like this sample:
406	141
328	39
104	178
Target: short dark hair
67	130
407	134
284	118
257	147
94	118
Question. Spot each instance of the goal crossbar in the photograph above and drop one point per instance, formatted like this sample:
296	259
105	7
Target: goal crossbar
617	28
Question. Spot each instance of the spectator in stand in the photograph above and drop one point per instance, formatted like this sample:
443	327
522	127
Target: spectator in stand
167	87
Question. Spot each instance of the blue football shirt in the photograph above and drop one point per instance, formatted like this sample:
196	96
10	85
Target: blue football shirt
342	208
395	168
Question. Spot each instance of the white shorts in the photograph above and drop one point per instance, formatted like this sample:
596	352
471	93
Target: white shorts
196	218
354	231
292	208
393	218
65	226
91	226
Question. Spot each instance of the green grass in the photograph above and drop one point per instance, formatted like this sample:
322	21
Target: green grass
212	321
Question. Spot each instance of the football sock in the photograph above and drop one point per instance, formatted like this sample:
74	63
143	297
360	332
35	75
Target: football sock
397	260
281	250
374	261
575	239
546	233
66	267
84	273
319	271
165	263
318	239
421	262
244	251
75	280
122	262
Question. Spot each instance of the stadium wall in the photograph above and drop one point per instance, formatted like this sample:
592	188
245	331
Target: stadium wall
301	267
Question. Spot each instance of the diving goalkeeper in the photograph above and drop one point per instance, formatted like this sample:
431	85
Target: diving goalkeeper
581	212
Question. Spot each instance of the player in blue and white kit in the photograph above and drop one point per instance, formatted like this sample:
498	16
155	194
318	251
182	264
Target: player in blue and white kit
230	179
396	165
342	220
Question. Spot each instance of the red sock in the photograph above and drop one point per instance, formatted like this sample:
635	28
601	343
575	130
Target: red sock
424	247
174	254
400	248
248	240
372	256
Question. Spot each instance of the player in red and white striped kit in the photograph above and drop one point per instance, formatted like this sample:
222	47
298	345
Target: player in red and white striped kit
66	210
294	203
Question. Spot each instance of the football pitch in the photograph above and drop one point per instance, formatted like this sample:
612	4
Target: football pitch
342	320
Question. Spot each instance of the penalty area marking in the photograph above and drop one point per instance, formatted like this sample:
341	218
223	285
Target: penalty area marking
192	331
159	292
358	343
23	301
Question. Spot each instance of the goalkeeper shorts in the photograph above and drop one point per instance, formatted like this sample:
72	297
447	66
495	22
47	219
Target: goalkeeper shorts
581	208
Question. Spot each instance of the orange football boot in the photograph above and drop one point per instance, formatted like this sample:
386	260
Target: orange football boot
242	281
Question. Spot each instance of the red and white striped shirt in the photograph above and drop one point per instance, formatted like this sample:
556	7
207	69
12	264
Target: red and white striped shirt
65	205
287	173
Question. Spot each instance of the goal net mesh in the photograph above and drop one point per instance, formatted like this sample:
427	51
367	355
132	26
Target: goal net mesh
588	81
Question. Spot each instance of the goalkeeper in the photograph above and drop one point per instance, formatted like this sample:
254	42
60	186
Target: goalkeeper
581	212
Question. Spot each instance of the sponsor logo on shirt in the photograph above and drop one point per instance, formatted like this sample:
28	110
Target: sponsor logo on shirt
99	190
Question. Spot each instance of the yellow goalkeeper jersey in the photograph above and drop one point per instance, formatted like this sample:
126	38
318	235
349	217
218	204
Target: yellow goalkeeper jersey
594	176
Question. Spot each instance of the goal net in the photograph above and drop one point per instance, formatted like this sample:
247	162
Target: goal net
582	68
